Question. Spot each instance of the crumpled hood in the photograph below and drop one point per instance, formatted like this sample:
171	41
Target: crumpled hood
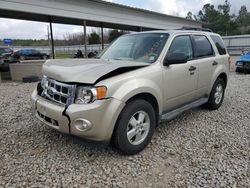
84	70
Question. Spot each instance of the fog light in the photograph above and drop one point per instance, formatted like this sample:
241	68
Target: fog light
82	124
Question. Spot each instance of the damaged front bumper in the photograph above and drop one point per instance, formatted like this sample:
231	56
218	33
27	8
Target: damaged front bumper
94	121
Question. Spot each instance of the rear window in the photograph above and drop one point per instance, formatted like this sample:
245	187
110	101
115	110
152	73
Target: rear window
219	44
203	48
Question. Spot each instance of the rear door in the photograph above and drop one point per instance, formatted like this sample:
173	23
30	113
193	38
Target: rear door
204	56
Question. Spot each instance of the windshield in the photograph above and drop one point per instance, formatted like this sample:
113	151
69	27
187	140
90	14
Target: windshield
5	50
145	47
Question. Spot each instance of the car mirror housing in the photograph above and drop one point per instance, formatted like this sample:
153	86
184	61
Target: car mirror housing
175	58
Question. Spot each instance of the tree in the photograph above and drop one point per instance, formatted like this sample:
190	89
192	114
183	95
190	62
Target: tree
94	38
115	34
225	17
189	16
243	17
209	16
220	20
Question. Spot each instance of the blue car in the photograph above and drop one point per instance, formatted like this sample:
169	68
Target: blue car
243	64
28	53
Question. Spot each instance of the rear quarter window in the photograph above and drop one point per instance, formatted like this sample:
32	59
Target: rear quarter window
219	44
203	48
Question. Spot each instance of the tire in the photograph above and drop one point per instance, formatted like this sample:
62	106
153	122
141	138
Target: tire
215	102
29	79
130	145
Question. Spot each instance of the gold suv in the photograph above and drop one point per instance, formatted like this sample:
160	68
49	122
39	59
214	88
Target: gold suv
139	80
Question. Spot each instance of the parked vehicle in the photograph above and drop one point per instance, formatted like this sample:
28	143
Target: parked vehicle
5	58
243	64
29	54
5	54
141	79
79	54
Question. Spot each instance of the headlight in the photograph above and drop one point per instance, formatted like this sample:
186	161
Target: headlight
86	95
239	63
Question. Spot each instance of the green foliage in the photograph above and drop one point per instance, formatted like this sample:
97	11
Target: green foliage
189	16
221	21
114	34
94	38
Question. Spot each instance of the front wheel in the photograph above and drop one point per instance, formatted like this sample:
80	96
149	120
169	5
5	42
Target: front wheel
217	94
135	127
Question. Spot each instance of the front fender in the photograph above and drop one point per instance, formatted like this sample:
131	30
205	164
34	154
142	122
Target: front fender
134	87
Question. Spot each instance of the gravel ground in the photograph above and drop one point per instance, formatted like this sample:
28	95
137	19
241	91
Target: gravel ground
200	148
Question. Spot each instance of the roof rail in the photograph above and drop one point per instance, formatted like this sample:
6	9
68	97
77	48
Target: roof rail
196	29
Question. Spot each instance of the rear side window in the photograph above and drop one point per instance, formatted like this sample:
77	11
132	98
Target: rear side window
219	44
203	48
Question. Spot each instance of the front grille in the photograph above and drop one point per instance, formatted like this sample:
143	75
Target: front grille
58	92
247	65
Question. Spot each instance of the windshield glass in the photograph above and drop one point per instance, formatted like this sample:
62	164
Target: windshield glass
145	47
5	50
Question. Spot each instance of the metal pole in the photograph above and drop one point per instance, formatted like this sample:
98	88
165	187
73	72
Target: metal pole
102	36
51	37
85	38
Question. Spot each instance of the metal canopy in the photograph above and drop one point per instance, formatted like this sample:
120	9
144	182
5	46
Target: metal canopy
97	13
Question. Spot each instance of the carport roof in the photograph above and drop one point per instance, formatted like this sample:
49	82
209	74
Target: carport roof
97	13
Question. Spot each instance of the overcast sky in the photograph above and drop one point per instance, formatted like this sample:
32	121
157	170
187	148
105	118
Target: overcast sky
10	28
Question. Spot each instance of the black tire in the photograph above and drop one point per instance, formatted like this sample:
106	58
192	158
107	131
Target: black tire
120	139
212	104
29	79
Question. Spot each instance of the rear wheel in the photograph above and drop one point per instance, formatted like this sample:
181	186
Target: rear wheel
22	57
217	94
135	127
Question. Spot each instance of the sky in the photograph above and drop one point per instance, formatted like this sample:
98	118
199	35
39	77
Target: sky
19	29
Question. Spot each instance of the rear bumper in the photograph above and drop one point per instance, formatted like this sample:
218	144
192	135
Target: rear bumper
101	114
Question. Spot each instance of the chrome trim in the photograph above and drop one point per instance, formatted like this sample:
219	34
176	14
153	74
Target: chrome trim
53	88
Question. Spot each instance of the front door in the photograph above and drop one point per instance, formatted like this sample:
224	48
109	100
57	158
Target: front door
180	80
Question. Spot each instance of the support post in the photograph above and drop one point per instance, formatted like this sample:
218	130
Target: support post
51	38
85	38
102	37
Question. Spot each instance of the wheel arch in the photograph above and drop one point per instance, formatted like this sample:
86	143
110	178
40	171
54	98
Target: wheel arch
223	75
151	99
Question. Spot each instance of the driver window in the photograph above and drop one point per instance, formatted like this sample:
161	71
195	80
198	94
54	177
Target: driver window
181	44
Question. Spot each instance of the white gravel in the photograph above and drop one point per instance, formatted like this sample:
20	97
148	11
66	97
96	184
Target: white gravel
200	148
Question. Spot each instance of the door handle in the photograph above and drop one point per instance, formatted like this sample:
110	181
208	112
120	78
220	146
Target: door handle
192	68
215	63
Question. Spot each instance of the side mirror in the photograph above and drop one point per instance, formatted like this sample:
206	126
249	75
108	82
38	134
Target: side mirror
175	58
